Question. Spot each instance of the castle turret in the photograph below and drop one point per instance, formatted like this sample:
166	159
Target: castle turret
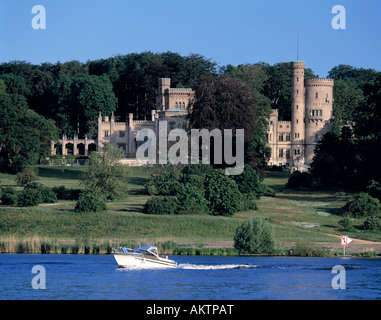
163	85
318	113
297	111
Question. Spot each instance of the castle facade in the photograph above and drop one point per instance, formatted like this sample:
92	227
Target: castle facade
292	142
171	106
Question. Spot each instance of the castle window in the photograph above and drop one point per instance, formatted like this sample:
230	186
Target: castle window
288	153
321	113
288	137
122	133
297	107
106	133
297	121
280	137
297	91
317	95
183	105
280	153
297	79
176	105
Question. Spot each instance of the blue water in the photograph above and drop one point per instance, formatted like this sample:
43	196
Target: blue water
196	278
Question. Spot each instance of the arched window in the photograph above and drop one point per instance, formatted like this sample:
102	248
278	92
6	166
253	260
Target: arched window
317	95
176	105
183	105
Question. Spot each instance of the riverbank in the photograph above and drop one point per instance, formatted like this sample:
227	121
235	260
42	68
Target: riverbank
305	222
37	245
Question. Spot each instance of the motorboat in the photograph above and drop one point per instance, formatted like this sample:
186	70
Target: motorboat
144	256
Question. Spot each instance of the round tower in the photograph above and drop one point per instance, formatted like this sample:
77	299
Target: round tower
297	112
318	116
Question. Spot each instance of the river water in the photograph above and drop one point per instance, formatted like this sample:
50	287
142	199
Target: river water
74	277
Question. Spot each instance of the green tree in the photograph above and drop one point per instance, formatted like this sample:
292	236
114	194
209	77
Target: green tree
336	161
222	194
347	98
256	76
254	236
25	136
106	176
224	102
78	100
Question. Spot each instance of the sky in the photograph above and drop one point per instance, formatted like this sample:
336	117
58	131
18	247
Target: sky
225	31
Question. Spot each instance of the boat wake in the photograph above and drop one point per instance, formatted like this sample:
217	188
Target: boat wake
190	266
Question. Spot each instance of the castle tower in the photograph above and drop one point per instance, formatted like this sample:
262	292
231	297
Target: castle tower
297	112
163	85
319	97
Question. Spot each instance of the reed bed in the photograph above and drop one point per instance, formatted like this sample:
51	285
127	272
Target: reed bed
41	245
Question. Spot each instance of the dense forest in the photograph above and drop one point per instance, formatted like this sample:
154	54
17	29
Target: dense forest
41	102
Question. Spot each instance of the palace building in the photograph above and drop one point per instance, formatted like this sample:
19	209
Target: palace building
292	142
171	106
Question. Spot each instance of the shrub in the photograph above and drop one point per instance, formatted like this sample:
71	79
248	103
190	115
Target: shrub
46	194
248	182
248	202
267	191
254	236
222	193
9	196
299	180
362	204
28	174
63	193
191	200
372	223
164	183
28	198
346	223
161	205
90	202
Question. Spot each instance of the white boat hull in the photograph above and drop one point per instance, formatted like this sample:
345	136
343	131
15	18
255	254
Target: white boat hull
132	260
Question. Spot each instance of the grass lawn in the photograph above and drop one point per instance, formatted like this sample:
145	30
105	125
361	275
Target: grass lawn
295	215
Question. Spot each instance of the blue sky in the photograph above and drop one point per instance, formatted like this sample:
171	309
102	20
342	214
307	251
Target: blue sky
236	32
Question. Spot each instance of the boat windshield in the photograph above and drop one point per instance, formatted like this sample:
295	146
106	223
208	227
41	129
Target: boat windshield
146	249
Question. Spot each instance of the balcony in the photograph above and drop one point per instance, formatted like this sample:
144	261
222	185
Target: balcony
315	117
